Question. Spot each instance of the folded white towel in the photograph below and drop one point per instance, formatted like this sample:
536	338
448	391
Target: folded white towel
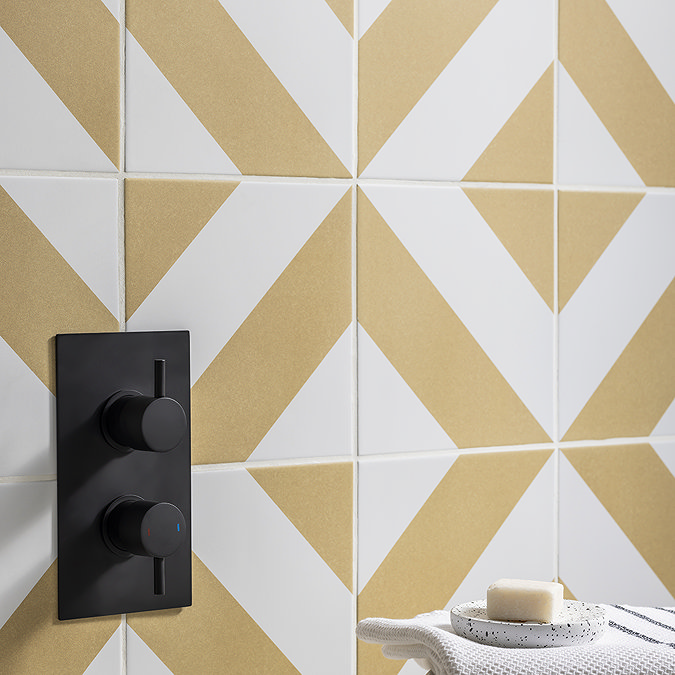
638	641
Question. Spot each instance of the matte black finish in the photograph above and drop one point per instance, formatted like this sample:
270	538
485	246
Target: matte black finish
118	568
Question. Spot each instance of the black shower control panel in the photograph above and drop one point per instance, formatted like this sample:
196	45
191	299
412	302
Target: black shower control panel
123	472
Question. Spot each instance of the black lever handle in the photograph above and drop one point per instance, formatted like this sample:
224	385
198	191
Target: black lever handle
131	421
135	526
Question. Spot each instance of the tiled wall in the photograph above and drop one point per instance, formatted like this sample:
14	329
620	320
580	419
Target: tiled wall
438	354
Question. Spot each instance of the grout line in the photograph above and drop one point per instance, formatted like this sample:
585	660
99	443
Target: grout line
355	342
123	646
556	300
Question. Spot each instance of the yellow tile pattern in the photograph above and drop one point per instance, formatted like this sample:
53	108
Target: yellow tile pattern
278	379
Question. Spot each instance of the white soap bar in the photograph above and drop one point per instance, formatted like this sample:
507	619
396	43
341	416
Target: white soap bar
522	600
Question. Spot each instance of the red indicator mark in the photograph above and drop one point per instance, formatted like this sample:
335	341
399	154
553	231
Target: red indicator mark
148	532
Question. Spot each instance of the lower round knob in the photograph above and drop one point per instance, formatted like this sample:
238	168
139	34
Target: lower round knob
134	526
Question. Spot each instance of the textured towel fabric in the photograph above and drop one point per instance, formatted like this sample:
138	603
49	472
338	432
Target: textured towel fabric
638	641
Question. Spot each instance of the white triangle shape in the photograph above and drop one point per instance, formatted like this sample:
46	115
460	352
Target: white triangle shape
317	422
391	493
28	409
162	133
524	545
369	12
79	218
391	416
666	451
588	155
141	660
108	660
666	425
598	562
37	131
30	539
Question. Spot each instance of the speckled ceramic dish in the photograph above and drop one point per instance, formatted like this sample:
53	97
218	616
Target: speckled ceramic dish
578	623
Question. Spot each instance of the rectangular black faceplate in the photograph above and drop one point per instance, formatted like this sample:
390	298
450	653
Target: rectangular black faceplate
90	368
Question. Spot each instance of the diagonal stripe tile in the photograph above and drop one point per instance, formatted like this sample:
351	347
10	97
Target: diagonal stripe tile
162	217
625	493
302	316
214	634
409	320
328	525
522	151
272	571
588	223
416	40
521	221
611	304
46	296
448	126
610	71
425	566
640	387
233	92
87	78
34	641
615	331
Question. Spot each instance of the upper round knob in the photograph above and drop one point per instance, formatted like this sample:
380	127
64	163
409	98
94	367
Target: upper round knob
140	527
144	423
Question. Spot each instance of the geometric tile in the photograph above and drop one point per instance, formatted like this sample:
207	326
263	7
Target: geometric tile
60	238
472	85
263	92
617	278
60	83
477	496
616	524
434	273
274	563
621	61
262	279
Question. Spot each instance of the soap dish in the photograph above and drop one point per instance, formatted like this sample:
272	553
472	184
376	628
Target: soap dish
577	623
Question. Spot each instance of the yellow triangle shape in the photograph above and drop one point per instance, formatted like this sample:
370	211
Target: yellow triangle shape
33	640
214	635
344	10
317	499
522	151
162	217
588	221
523	222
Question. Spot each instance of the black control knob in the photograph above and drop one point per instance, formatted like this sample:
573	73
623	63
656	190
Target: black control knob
135	526
131	421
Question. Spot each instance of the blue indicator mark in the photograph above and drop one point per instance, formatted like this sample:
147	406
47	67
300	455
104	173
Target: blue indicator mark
178	527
